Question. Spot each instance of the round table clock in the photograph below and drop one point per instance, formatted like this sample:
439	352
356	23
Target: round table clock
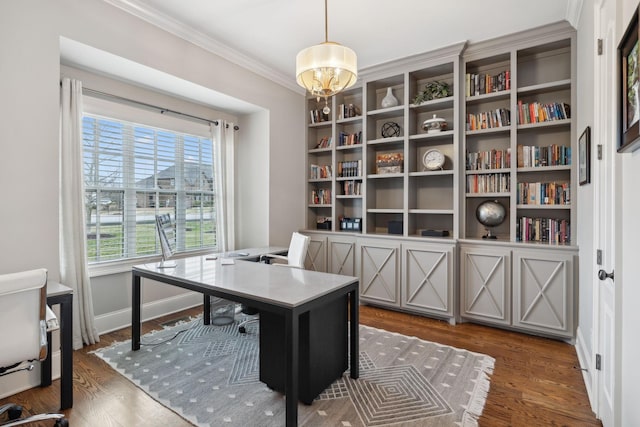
433	159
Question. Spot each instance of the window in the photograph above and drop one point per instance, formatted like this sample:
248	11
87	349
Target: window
133	172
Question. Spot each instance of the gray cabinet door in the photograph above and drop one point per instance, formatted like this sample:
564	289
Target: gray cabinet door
342	255
543	291
379	262
485	284
427	278
317	254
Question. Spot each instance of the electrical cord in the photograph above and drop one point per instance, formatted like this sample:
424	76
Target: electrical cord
154	344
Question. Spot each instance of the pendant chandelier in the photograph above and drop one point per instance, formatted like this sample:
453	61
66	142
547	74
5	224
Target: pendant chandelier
326	68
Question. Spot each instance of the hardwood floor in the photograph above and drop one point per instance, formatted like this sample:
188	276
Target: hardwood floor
535	381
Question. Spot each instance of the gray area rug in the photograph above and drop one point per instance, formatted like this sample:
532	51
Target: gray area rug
209	376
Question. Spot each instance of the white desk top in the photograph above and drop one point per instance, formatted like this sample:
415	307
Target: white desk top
54	289
283	286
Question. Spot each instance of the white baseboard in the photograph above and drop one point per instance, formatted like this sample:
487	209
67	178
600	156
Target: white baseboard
122	318
20	381
584	358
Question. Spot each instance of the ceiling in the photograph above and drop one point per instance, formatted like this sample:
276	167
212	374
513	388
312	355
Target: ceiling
266	35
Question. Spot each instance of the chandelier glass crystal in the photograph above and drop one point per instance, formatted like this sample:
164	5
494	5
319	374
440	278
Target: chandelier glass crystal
326	68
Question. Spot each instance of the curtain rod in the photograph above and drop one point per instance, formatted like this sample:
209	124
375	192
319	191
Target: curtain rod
88	91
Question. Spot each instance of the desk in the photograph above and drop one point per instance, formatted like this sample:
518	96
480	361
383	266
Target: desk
251	254
286	292
62	295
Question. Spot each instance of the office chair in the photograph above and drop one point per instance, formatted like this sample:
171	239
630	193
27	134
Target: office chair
23	333
295	257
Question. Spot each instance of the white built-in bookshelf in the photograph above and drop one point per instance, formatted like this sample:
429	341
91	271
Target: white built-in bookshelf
509	138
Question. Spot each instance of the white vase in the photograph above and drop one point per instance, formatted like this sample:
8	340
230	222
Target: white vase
389	100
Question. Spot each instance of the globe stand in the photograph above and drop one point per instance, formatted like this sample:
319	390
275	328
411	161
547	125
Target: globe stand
489	236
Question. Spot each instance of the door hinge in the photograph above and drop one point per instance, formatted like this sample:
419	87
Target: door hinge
598	362
600	47
599	151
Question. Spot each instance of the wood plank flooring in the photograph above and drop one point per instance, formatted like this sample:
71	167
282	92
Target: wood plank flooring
535	380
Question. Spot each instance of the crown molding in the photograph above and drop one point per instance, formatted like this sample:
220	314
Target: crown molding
184	32
420	60
574	9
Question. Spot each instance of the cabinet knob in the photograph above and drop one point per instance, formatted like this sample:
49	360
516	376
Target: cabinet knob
603	275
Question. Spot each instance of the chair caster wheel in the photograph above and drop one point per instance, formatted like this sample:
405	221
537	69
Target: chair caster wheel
242	330
14	412
62	422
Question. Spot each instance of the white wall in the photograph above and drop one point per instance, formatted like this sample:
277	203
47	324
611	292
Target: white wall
585	116
30	62
628	268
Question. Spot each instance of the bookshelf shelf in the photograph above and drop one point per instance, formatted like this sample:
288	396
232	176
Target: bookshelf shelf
387	112
493	96
349	147
564	84
441	103
488	195
502	129
545	169
543	207
553	123
447	134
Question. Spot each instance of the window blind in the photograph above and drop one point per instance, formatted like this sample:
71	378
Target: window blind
134	171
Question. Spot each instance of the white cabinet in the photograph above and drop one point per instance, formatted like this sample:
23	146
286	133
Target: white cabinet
317	253
428	278
341	251
520	287
543	297
485	279
379	270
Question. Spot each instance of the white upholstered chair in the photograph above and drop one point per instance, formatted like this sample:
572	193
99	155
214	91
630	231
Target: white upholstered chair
297	253
23	333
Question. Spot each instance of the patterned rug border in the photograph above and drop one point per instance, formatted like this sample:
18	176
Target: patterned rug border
470	416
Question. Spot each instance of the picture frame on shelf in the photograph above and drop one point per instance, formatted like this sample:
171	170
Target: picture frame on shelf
584	157
629	82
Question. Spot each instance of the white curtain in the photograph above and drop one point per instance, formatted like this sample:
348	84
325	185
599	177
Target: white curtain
73	256
223	152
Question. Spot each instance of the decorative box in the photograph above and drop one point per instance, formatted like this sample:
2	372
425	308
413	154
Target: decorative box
390	163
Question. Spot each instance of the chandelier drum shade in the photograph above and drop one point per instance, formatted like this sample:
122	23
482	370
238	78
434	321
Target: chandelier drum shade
326	68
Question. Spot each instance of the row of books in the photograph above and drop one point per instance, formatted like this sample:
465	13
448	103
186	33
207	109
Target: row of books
489	183
321	196
489	159
480	84
346	111
489	119
352	188
543	193
531	156
325	142
536	112
548	230
317	116
349	138
320	172
350	168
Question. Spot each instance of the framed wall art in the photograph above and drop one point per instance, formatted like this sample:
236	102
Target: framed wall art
584	157
629	109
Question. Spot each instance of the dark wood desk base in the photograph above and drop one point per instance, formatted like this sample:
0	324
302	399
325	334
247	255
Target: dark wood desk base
323	338
66	350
